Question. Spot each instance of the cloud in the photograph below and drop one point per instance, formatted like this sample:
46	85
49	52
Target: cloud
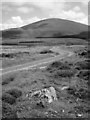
19	22
16	21
72	15
24	1
25	9
7	25
76	8
85	2
43	4
53	6
49	8
84	20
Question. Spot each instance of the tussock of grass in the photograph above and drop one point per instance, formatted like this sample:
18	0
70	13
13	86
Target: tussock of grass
84	74
64	73
84	64
80	93
84	53
60	65
7	79
57	66
15	92
8	98
61	69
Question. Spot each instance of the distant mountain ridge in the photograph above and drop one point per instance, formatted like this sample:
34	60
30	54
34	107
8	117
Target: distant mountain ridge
49	28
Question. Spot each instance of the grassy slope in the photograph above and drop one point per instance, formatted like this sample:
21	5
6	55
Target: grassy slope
49	28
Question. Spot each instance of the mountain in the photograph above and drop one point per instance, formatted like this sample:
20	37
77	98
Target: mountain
48	28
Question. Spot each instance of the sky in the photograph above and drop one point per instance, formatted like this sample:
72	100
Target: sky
16	13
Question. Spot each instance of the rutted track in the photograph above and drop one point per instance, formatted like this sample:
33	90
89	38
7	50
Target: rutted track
30	65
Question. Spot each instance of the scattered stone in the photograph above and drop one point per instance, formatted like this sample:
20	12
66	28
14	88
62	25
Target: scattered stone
63	111
64	87
79	115
48	94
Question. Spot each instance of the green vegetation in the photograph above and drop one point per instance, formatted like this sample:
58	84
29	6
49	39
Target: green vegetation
8	112
44	42
69	77
7	98
49	28
4	55
84	74
8	79
61	70
85	53
15	92
58	66
64	73
84	64
46	51
81	93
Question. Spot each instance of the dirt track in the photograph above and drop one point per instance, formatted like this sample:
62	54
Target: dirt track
30	65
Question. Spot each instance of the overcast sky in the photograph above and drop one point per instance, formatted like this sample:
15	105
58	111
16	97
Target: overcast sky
16	13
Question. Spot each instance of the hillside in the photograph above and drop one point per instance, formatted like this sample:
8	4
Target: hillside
49	28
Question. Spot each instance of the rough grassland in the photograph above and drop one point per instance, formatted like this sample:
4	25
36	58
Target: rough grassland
73	102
